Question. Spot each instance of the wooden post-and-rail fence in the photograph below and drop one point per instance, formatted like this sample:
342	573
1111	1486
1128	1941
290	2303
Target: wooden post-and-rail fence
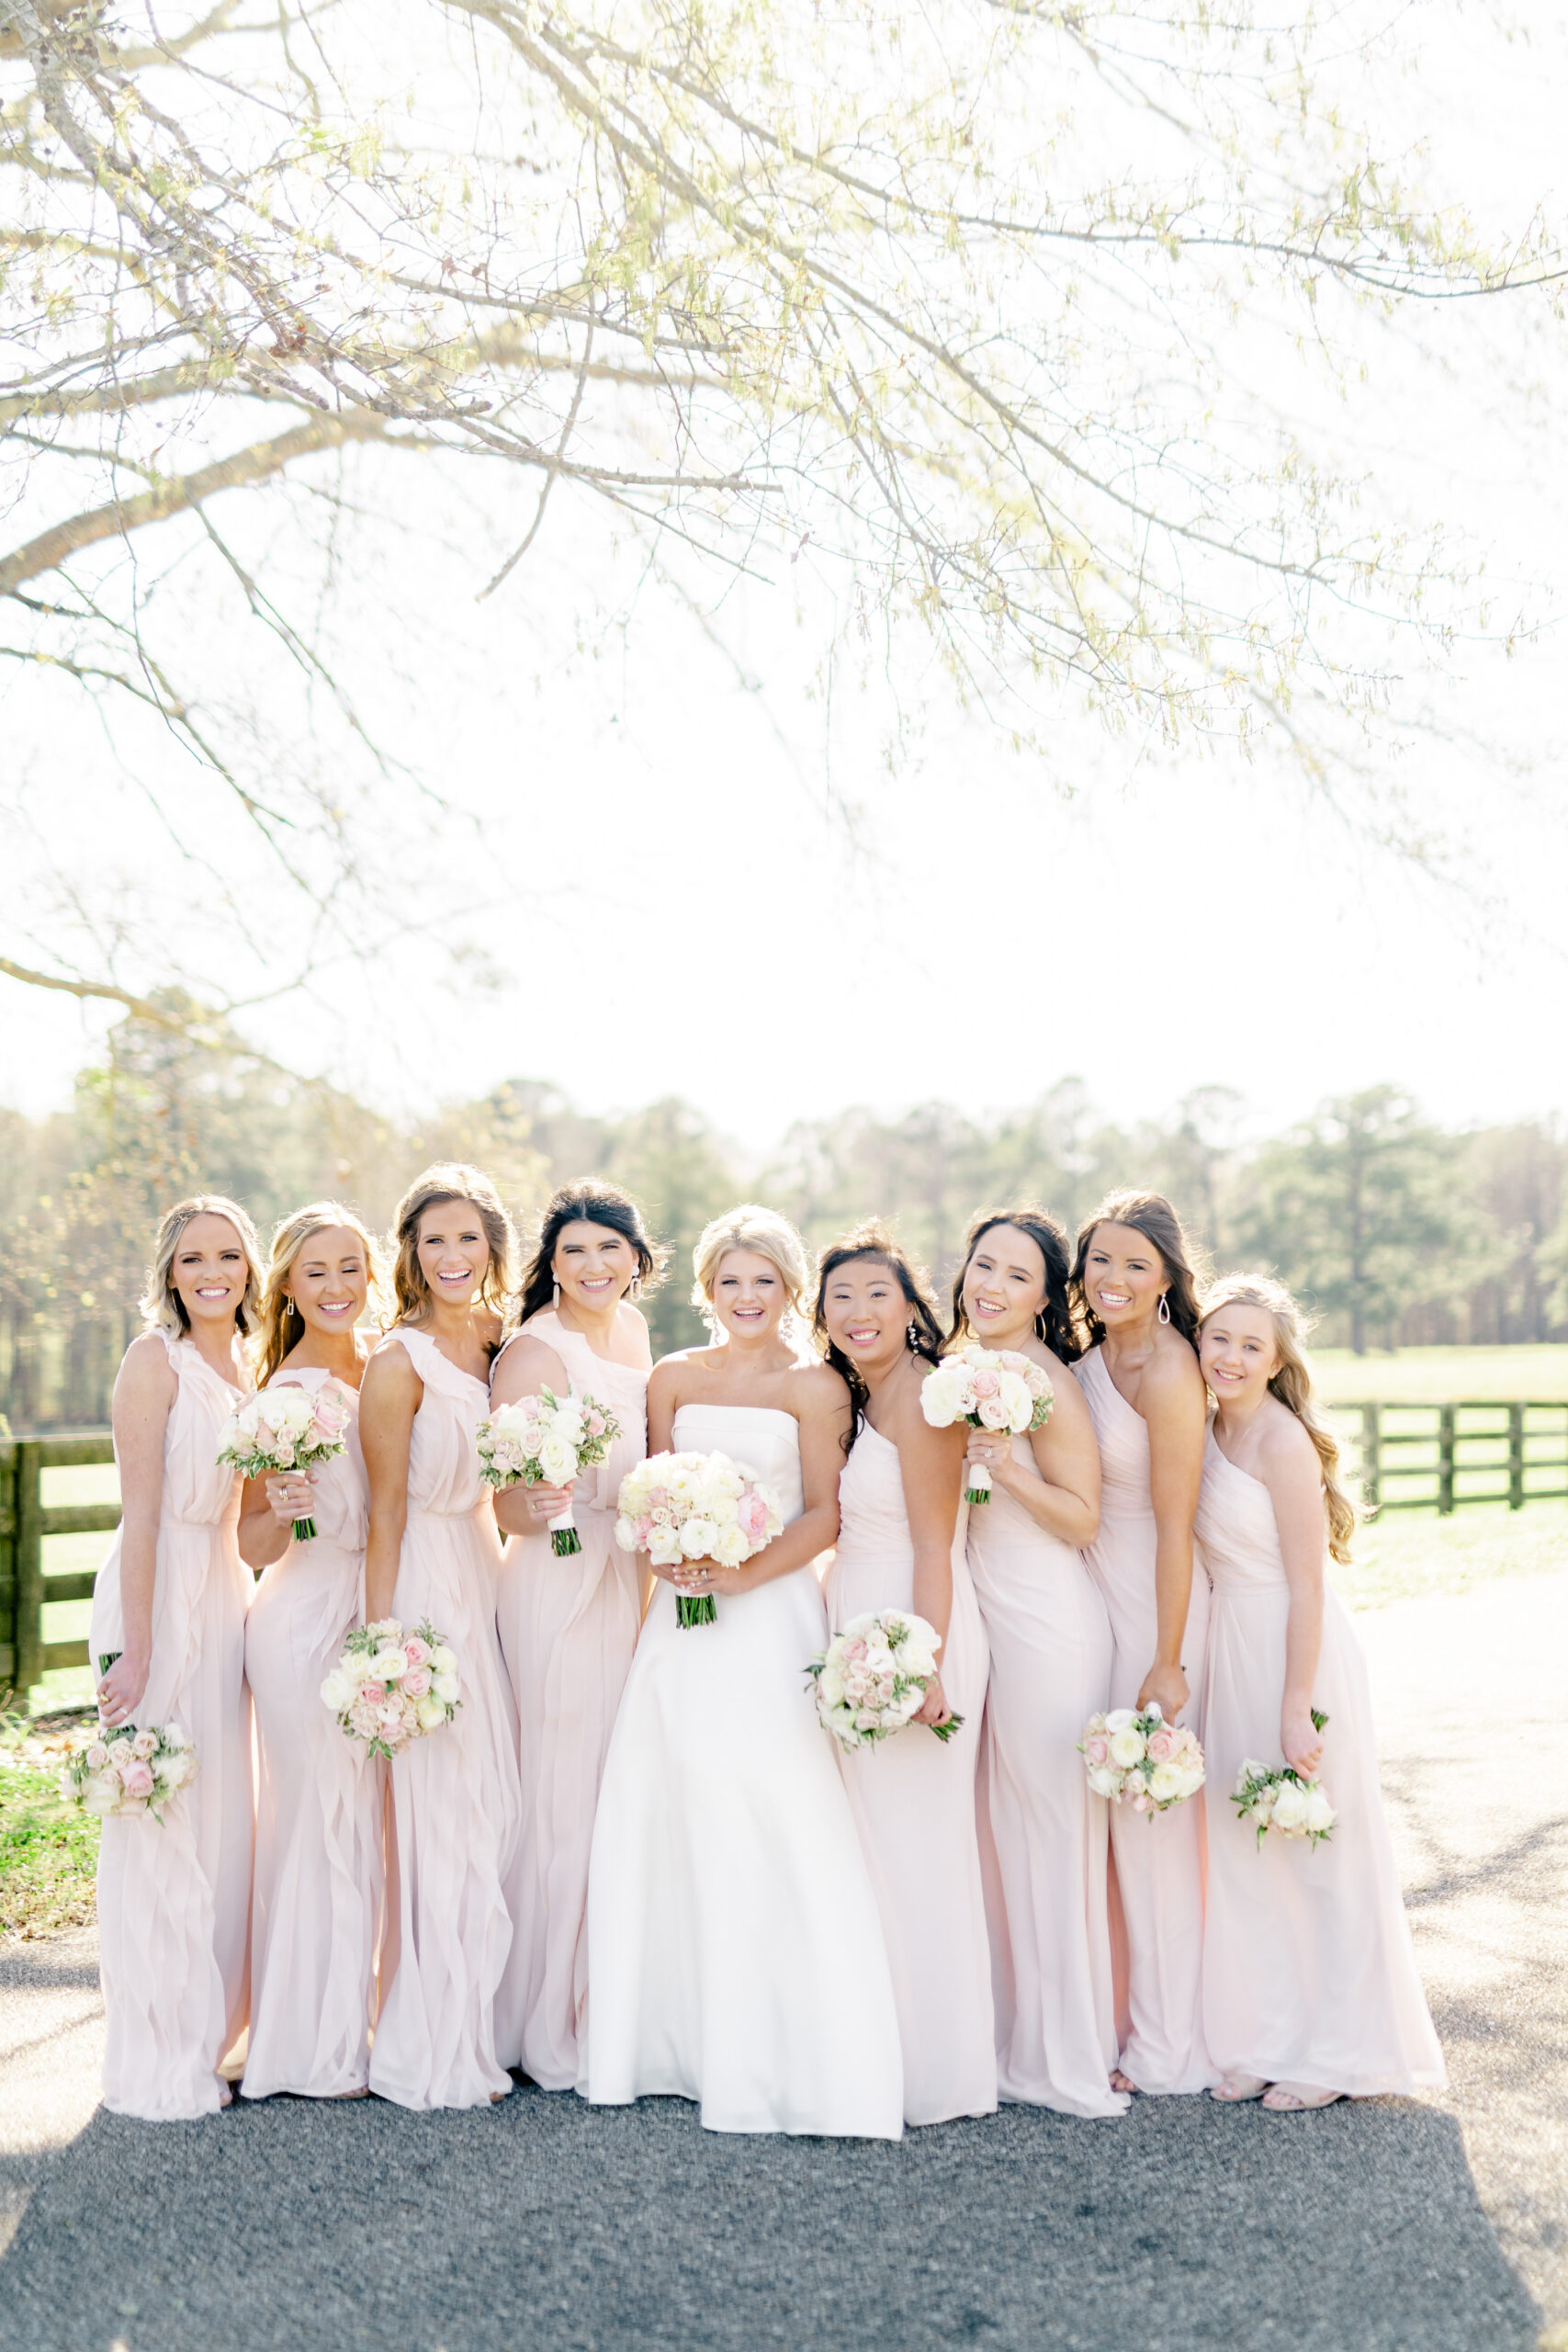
1408	1457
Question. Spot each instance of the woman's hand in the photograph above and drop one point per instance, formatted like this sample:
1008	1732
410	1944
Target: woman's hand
1300	1737
703	1576
1166	1687
120	1692
994	1448
934	1708
546	1503
291	1495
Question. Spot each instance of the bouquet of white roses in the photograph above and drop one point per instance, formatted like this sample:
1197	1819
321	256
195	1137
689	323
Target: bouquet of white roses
390	1687
126	1770
547	1441
1140	1759
990	1389
694	1507
874	1676
1284	1800
286	1427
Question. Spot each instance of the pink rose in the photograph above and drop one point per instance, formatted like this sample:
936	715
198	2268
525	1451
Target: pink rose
984	1384
753	1516
416	1682
1097	1750
644	1532
98	1756
416	1652
136	1776
595	1425
1141	1803
370	1694
1163	1744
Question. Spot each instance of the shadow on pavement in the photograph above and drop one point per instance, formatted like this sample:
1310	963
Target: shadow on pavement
545	2224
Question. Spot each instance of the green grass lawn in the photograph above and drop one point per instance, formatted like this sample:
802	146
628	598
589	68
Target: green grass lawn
48	1849
1440	1375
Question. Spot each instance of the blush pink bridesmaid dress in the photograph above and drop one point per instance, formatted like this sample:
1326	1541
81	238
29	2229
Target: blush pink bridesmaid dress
174	1898
1309	1971
454	1794
1043	1832
316	1902
569	1628
913	1800
1159	1859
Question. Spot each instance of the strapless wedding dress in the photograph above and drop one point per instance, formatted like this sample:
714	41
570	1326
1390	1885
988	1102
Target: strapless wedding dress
735	1949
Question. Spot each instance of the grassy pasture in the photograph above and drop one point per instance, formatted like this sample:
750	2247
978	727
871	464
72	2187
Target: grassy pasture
1441	1375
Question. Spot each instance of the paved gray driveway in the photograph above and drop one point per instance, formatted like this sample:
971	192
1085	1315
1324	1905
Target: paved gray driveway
1387	2227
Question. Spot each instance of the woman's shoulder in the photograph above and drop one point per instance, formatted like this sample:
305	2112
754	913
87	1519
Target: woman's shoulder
148	1362
1172	1374
685	1367
1284	1448
816	1388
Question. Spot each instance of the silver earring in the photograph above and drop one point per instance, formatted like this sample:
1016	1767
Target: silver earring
635	1291
554	1292
912	1335
1164	1309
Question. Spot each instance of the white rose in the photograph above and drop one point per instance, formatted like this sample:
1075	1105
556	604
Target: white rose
431	1712
664	1546
1016	1401
1127	1748
1166	1784
336	1690
1117	1720
698	1537
731	1546
1103	1780
558	1461
443	1686
443	1659
724	1510
388	1666
179	1769
1319	1812
1289	1807
942	1397
99	1796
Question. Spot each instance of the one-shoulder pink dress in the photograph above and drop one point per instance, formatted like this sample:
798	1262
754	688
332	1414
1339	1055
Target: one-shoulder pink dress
913	1800
316	1902
455	1800
1158	1858
1043	1830
569	1627
175	1896
1309	1971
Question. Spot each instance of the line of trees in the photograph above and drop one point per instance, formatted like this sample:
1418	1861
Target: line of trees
1398	1232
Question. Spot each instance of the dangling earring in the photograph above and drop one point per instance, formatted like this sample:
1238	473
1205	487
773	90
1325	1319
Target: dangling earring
635	1291
554	1292
1164	1309
913	1337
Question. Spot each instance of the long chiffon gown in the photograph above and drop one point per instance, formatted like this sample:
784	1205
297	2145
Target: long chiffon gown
174	1898
1158	1858
735	1953
455	1799
569	1628
1309	1971
1043	1831
316	1902
913	1797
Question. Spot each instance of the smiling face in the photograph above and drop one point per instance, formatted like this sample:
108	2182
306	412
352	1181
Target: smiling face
594	1265
1123	1276
749	1295
1004	1286
452	1250
866	1314
1237	1351
208	1272
330	1279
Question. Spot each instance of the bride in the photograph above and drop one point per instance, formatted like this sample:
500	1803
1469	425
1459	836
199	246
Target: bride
735	1950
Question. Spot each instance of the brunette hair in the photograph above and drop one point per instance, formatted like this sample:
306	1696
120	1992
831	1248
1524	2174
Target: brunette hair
1293	1386
163	1309
451	1180
590	1200
1151	1215
767	1235
1054	1323
872	1240
282	1324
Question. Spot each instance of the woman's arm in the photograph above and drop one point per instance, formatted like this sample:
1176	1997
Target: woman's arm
1172	1402
144	1393
389	1399
663	1396
268	1509
1061	1490
931	1464
526	1368
1294	1479
823	1421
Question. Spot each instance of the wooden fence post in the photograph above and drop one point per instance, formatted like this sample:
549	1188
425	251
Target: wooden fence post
28	1568
1371	1454
1515	1458
7	1566
1446	1459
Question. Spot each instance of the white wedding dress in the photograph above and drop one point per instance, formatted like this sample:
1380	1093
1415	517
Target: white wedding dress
735	1948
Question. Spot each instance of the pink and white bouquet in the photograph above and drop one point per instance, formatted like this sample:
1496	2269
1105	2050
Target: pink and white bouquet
874	1676
547	1441
990	1389
1141	1760
692	1507
390	1687
1284	1800
126	1770
286	1428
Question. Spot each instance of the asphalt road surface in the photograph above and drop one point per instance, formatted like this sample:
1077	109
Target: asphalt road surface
1390	2226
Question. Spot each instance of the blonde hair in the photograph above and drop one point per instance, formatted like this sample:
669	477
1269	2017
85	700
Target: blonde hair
282	1324
1291	1384
163	1309
451	1180
767	1235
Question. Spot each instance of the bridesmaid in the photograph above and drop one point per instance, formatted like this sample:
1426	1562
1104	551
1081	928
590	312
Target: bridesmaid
316	1899
1043	1832
568	1626
433	1551
1310	1983
913	1798
168	1634
1134	1291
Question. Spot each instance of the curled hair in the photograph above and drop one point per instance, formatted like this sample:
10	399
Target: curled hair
590	1200
282	1323
163	1309
1054	1323
872	1240
767	1235
451	1180
1291	1384
1151	1215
